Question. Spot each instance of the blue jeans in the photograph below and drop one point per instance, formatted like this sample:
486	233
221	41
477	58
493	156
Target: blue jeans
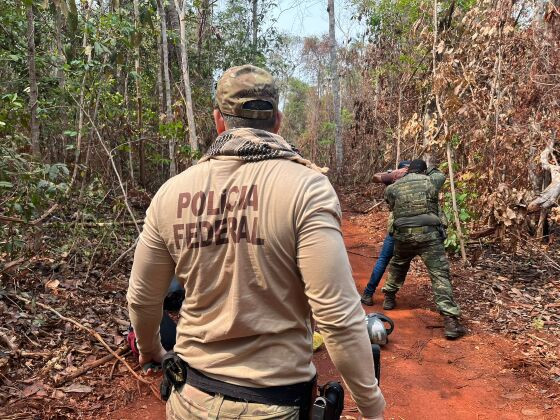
381	265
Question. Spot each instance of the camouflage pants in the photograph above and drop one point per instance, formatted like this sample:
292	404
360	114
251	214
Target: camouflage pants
433	255
190	403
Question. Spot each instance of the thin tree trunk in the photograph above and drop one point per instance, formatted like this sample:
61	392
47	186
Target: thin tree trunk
426	123
448	144
127	105
454	201
255	26
139	121
167	84
161	97
204	13
81	106
89	141
159	80
33	90
60	59
339	150
186	80
399	118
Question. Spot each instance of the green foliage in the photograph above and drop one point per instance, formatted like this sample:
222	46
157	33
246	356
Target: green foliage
326	133
235	44
465	196
347	117
295	109
26	188
172	130
32	186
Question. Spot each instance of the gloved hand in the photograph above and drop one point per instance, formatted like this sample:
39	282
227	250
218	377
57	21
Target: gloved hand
131	338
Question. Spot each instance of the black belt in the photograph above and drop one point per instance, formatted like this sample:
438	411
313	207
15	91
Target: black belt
176	372
419	229
296	395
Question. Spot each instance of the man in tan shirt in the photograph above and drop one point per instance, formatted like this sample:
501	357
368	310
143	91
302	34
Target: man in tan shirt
253	233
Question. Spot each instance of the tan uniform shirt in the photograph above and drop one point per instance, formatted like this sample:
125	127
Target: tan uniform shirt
259	249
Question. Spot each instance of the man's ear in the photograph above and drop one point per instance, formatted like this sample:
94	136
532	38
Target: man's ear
219	121
278	123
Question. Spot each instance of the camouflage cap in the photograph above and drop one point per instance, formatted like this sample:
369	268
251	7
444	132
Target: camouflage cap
242	84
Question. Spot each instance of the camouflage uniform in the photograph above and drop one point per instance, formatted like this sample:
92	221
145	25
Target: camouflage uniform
415	195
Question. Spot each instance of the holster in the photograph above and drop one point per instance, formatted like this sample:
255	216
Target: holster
174	374
330	403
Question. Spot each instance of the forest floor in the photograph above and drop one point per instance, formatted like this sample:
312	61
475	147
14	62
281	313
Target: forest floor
505	368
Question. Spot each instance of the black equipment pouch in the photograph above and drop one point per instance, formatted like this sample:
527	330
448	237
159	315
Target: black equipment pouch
174	374
330	403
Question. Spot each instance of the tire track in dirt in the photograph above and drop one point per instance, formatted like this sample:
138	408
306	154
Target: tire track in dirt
424	376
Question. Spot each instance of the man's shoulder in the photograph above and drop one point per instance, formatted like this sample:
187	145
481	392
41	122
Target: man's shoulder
179	179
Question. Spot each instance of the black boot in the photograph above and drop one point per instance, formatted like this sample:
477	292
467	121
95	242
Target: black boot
390	301
453	327
367	299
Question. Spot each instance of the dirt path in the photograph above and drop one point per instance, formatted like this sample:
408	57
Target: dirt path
424	376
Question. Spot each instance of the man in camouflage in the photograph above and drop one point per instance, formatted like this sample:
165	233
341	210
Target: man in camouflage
418	230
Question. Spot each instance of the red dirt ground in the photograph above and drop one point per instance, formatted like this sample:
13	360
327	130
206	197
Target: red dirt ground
424	376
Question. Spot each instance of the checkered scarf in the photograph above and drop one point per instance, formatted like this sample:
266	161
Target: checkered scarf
254	145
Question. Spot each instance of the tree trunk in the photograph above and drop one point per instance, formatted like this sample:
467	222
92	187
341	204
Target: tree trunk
448	144
399	119
60	59
202	24
429	111
167	84
159	79
33	90
185	70
139	122
454	202
81	105
255	26
339	150
161	97
126	104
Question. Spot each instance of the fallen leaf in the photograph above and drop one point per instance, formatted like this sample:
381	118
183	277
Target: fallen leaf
79	388
52	284
57	394
32	389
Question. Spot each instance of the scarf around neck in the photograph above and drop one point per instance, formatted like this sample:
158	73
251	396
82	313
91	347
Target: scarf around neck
253	145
